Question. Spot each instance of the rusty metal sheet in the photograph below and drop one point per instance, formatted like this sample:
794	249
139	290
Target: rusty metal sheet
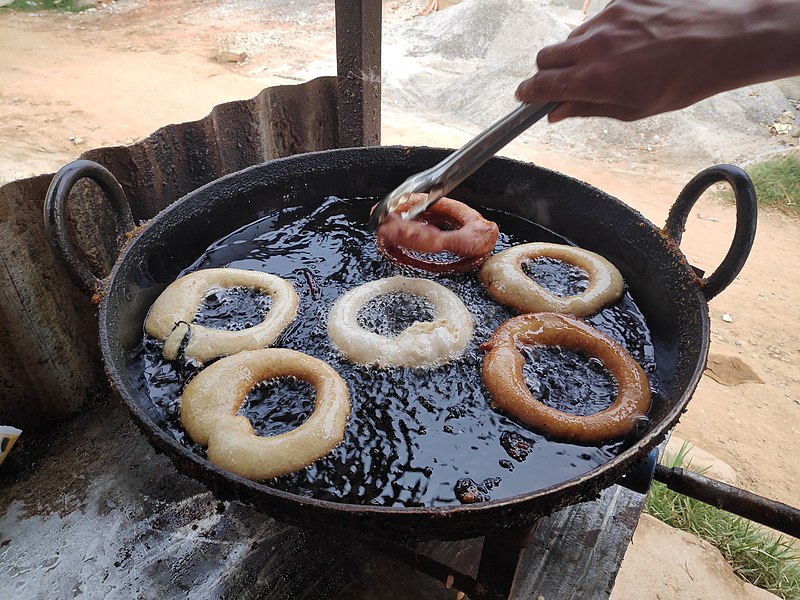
49	361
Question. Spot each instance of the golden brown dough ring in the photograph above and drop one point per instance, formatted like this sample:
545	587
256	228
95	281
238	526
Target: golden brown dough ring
507	283
211	400
423	344
171	315
502	374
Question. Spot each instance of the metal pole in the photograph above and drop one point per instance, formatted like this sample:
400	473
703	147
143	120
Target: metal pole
776	515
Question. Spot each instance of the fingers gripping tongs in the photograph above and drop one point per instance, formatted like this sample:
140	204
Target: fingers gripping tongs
441	179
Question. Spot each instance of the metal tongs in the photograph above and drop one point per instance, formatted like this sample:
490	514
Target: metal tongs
441	179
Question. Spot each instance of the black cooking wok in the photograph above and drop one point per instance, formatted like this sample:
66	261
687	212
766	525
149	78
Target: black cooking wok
672	296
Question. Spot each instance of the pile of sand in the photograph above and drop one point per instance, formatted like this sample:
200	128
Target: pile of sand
462	65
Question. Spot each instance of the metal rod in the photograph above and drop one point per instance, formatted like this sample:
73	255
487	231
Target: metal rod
445	176
454	169
776	515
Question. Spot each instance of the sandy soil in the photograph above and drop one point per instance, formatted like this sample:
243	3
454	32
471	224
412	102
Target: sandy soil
107	77
691	568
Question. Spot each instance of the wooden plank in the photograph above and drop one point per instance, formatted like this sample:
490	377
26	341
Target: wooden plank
576	552
358	67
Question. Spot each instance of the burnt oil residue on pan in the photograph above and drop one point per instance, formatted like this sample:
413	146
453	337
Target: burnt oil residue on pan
416	437
666	290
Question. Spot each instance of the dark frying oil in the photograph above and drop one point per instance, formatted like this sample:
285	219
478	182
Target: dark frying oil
558	277
415	437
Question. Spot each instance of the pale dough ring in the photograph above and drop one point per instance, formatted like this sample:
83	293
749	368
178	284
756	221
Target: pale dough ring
171	316
427	344
506	281
211	400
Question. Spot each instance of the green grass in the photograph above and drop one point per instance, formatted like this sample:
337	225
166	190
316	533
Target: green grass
64	5
765	560
777	183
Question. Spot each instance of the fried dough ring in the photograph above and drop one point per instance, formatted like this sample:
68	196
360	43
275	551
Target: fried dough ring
211	400
502	374
170	318
506	282
426	344
447	226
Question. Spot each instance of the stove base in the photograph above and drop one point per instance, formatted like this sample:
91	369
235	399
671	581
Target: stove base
90	508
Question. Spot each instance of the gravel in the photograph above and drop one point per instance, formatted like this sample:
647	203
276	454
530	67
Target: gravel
463	64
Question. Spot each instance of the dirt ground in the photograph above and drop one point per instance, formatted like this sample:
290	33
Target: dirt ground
107	77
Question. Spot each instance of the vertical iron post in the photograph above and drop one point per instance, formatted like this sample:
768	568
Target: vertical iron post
358	66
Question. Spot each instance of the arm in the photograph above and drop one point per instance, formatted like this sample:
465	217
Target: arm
638	58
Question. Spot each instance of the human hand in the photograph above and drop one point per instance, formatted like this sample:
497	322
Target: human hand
638	58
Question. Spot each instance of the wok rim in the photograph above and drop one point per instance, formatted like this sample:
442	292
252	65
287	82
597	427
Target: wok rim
617	466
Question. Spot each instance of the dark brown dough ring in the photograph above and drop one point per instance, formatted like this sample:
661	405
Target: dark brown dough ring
447	226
